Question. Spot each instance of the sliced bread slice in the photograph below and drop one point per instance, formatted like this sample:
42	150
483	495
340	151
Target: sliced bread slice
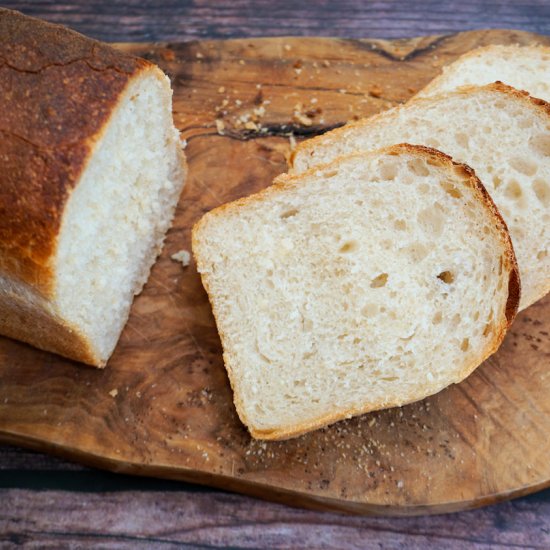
367	283
498	131
523	67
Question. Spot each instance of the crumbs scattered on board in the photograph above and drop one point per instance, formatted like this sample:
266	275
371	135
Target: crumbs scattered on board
182	256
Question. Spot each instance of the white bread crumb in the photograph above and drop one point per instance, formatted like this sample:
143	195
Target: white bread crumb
182	256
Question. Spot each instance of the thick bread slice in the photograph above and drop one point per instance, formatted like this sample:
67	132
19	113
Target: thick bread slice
523	67
367	283
91	169
503	134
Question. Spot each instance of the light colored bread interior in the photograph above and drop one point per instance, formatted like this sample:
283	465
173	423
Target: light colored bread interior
523	67
501	133
115	221
367	283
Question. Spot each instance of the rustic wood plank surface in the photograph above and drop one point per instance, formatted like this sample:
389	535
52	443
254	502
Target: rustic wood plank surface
169	519
172	20
163	406
526	519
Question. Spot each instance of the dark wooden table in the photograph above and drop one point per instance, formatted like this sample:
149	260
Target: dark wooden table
46	502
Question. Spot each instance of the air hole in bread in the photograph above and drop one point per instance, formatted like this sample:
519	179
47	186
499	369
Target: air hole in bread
388	171
330	174
513	190
450	189
476	315
462	139
542	191
418	167
524	122
541	144
446	276
389	378
432	219
401	225
289	213
465	344
497	180
424	188
379	281
368	310
348	246
523	166
417	251
542	254
488	329
437	318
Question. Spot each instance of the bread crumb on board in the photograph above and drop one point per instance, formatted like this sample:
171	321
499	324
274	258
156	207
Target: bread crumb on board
375	91
182	256
220	126
113	392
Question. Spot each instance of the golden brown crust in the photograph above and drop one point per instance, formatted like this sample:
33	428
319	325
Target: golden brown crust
288	181
53	333
58	90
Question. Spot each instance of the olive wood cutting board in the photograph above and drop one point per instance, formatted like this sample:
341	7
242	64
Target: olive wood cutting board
163	406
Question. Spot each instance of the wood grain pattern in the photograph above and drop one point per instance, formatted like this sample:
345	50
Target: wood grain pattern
137	519
473	444
179	20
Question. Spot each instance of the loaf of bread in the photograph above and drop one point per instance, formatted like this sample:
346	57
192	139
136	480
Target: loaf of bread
498	131
523	67
91	169
367	283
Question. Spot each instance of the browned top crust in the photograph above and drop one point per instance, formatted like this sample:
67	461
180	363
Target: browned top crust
57	90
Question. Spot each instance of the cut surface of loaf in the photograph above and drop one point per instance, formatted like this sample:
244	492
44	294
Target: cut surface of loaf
86	192
523	67
367	283
115	221
500	132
